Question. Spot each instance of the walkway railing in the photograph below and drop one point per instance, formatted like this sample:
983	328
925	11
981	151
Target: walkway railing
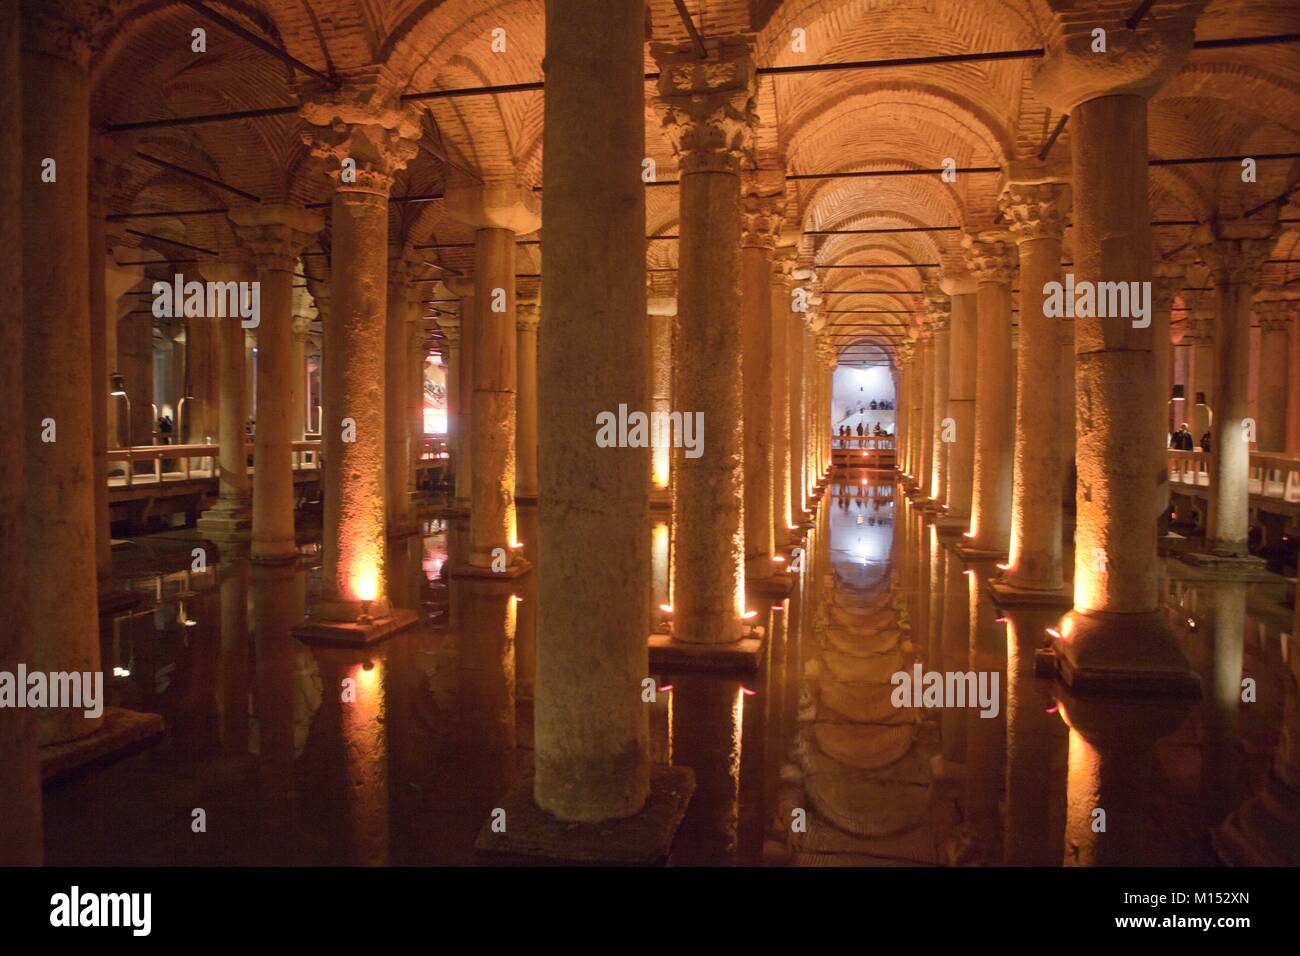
1272	475
191	462
863	451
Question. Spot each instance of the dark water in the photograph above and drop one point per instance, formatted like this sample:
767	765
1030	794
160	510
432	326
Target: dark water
805	762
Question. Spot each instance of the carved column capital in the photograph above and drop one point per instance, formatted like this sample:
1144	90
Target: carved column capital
528	316
65	30
1036	210
450	326
706	107
762	209
365	123
991	256
1233	251
275	234
938	310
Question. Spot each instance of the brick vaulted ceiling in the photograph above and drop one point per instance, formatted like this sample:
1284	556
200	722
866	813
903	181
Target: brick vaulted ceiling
1224	102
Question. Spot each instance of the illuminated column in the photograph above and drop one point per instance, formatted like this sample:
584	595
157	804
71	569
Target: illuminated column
1201	329
1167	279
454	362
962	355
906	357
417	357
826	354
938	310
809	410
993	265
1293	381
1274	371
659	315
707	112
275	236
760	226
1115	636
59	498
1235	253
230	520
783	511
1036	212
498	213
527	317
926	434
366	138
21	836
397	400
794	329
592	730
303	313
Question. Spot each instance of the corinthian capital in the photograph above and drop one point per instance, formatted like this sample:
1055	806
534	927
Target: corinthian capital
1082	64
64	29
938	309
1036	210
275	234
762	206
365	123
1274	313
991	256
1235	251
707	106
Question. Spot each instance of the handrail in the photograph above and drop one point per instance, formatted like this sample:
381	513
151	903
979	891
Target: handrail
1269	474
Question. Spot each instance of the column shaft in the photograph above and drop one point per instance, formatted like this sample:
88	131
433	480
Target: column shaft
273	526
526	422
756	372
939	447
794	329
961	404
782	514
397	432
592	730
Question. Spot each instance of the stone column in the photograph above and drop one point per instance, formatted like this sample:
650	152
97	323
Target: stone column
592	731
925	434
1036	211
275	235
363	124
795	384
827	354
938	310
301	328
230	520
707	108
59	497
102	313
993	265
397	367
1201	329
499	214
1167	279
1292	299
1274	372
760	220
1235	253
659	316
1115	637
809	410
21	837
527	316
783	509
452	358
962	357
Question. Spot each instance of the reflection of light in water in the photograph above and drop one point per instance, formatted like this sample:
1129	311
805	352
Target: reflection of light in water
659	563
434	559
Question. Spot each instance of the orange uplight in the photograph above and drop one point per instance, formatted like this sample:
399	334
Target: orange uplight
778	558
1054	632
791	527
666	608
516	545
365	582
748	615
1004	567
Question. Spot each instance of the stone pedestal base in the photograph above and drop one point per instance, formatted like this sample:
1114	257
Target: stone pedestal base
776	586
514	570
355	633
1123	654
953	523
640	840
1229	567
121	732
1008	595
661	498
226	527
979	554
526	499
742	656
275	560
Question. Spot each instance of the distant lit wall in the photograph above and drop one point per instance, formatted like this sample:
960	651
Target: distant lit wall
857	388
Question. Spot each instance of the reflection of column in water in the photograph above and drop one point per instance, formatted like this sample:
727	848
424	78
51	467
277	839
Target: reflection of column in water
1111	771
363	728
405	565
1265	830
486	672
953	654
928	643
1221	703
233	671
1036	751
921	566
707	734
985	736
274	613
773	704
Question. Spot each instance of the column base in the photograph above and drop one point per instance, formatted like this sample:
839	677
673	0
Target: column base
957	523
674	656
640	840
1008	595
514	570
526	498
355	633
1110	653
661	498
778	585
223	526
1231	567
121	732
971	553
275	560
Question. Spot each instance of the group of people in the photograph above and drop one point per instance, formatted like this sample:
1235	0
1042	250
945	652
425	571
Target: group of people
881	404
1181	440
877	431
